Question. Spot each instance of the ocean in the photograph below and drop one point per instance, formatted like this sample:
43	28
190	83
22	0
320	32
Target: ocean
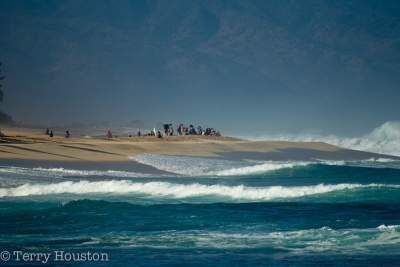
211	212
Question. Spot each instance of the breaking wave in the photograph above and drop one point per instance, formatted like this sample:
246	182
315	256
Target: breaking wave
173	190
192	166
383	140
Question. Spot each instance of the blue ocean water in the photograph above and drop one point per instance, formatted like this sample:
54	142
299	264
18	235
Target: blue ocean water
211	213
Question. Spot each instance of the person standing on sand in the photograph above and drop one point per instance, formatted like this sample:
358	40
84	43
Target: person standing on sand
47	131
138	132
108	134
51	134
66	134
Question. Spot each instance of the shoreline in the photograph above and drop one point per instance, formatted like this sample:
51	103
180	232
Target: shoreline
129	166
21	149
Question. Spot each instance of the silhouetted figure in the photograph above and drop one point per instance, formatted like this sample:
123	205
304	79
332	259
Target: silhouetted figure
47	131
66	134
166	128
51	134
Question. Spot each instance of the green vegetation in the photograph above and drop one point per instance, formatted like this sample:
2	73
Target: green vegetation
5	118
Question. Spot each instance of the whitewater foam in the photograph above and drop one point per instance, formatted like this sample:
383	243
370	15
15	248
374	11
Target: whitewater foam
383	140
390	227
192	166
324	239
366	163
173	190
61	172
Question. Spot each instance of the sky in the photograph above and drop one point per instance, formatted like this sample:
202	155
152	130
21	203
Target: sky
287	66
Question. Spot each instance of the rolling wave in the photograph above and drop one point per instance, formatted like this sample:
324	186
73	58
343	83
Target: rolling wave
192	166
189	166
173	190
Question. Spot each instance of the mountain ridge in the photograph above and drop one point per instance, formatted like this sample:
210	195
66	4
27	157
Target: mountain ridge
250	56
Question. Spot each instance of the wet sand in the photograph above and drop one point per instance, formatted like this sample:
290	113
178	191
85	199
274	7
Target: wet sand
125	166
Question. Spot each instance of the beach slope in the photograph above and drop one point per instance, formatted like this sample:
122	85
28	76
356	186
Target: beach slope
23	148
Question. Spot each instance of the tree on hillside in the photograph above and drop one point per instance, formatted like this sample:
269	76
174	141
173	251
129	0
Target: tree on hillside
4	118
1	92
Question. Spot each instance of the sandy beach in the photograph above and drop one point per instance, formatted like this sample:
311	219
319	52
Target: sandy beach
27	147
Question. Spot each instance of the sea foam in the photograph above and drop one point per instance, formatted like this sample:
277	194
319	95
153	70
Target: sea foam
193	166
173	190
384	139
61	172
324	239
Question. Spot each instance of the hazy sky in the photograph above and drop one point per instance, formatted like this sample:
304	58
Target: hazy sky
280	65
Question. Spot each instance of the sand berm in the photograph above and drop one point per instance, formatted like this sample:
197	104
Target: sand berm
28	147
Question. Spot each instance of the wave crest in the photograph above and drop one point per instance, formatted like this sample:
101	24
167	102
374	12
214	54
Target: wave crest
193	166
384	139
389	131
166	189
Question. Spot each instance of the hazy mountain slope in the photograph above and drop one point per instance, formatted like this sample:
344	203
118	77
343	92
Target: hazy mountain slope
237	58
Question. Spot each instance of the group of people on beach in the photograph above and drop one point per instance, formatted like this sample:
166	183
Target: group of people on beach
182	130
151	133
168	131
50	133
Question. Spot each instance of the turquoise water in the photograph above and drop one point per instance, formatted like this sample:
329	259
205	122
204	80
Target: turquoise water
211	213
